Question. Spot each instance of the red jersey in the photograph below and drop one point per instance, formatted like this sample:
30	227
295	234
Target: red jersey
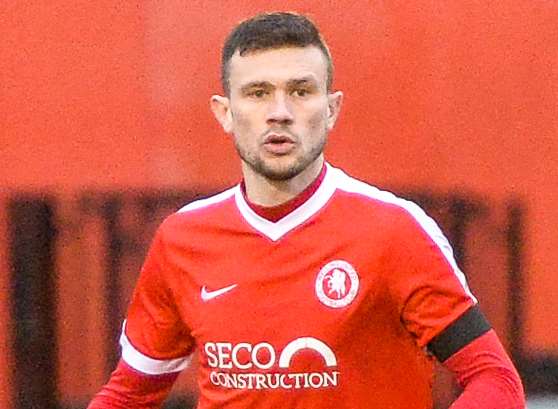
331	306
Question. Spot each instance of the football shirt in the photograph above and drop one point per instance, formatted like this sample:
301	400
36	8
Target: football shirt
330	306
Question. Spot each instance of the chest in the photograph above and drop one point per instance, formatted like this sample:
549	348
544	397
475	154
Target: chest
247	288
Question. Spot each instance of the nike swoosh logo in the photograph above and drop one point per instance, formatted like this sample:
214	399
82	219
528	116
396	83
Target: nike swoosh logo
209	295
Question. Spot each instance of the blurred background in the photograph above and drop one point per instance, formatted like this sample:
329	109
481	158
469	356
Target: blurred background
106	129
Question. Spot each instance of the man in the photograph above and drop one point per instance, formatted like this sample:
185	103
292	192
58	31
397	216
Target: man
301	287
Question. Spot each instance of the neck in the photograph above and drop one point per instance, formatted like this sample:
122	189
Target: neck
266	192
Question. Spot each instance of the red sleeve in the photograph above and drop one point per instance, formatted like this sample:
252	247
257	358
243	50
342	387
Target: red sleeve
487	375
129	389
156	343
427	285
154	326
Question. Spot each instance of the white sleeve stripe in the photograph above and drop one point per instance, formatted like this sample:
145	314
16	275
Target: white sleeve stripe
428	224
148	365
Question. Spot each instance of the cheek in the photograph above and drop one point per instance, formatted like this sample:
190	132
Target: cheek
318	120
316	113
243	121
240	124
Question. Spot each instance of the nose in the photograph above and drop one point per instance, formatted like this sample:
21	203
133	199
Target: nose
280	111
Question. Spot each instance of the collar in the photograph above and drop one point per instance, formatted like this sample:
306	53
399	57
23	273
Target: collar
275	213
274	222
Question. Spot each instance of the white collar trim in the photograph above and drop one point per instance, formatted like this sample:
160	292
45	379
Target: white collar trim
276	230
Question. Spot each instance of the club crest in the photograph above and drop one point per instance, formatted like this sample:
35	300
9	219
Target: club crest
337	284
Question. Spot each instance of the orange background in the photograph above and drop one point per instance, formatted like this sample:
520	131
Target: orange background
448	95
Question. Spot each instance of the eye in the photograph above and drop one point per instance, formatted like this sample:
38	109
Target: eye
301	92
258	93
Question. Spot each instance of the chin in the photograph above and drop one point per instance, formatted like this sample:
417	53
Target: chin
280	171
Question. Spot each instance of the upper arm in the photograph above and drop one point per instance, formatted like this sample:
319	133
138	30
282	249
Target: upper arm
430	290
155	339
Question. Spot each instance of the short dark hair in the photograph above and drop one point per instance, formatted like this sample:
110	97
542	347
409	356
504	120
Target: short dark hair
272	30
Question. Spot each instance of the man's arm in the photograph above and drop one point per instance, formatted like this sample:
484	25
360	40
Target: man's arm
130	389
156	343
439	310
475	355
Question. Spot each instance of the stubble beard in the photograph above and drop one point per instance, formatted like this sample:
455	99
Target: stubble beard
280	173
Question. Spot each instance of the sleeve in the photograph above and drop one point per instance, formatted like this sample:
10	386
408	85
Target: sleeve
470	348
129	389
428	287
487	375
438	309
154	339
156	343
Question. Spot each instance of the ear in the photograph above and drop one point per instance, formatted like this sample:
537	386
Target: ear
221	109
334	102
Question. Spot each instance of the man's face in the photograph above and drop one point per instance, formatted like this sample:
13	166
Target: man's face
279	110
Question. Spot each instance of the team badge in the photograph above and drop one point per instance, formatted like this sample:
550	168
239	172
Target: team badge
337	284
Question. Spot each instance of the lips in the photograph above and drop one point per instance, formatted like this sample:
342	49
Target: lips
278	144
278	138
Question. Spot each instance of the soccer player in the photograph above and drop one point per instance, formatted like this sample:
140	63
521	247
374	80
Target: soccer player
301	287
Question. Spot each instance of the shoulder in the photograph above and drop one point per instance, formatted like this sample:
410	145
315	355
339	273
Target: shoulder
383	210
203	211
209	203
360	193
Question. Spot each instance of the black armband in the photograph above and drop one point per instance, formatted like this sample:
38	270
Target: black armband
468	327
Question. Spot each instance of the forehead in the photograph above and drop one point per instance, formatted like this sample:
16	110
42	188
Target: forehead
278	66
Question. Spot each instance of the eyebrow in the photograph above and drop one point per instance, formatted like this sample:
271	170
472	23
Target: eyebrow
256	84
306	80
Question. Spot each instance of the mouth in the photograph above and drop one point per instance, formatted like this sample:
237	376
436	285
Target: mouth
278	144
278	138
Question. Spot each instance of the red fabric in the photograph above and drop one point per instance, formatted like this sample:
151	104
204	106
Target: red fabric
487	375
400	289
482	368
129	389
395	257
